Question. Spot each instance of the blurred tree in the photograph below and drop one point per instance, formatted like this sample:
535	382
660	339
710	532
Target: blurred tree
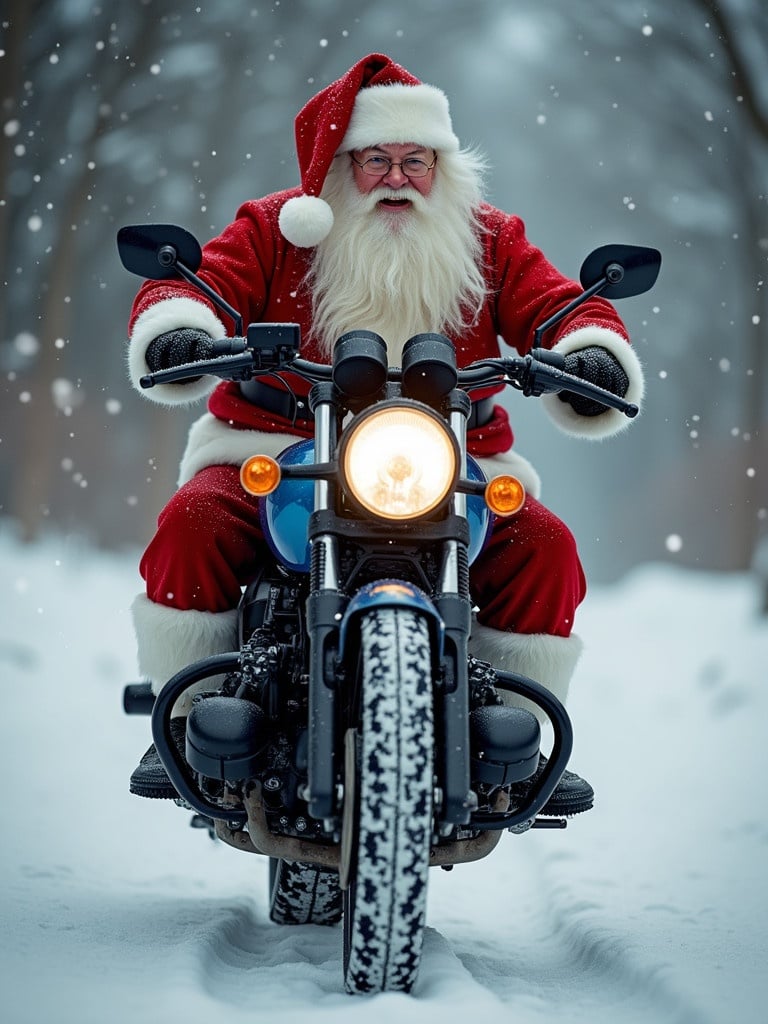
646	138
35	485
743	34
61	153
11	91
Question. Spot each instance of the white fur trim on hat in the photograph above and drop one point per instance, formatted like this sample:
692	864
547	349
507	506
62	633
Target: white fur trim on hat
611	421
212	442
159	318
398	114
305	221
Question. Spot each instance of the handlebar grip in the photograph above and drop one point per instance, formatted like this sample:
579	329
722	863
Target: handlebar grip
227	347
543	374
549	357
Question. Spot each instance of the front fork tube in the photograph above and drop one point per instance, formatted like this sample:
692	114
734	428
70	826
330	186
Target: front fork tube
324	613
325	607
452	701
452	705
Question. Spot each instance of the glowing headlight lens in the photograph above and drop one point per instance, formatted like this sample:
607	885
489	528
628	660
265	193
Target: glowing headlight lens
399	462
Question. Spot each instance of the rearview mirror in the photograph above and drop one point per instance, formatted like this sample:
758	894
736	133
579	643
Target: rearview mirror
155	251
626	269
614	272
164	252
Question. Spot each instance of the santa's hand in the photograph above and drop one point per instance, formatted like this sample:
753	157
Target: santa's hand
600	367
186	345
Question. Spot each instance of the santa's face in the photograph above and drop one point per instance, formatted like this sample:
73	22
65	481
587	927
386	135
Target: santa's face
394	185
403	256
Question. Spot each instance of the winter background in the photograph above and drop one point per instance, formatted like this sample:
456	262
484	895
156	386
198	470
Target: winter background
640	122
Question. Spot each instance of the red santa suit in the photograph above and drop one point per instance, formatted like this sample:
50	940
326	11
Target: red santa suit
528	581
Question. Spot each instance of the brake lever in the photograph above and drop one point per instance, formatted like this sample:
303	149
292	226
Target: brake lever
535	378
236	367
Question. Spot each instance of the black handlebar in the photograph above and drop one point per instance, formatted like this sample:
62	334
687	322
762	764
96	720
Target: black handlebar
538	373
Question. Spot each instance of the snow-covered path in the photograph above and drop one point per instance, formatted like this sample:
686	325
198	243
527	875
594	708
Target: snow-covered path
651	908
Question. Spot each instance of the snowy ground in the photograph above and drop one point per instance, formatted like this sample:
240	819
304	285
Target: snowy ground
652	908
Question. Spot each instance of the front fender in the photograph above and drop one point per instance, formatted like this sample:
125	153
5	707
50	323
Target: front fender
391	594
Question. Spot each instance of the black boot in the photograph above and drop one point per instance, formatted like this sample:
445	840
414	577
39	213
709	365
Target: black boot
573	794
150	778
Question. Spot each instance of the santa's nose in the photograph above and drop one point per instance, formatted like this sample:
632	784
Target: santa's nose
395	177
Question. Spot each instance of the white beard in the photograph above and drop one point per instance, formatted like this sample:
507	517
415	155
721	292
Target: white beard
400	272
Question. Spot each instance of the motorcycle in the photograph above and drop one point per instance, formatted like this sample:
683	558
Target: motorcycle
353	741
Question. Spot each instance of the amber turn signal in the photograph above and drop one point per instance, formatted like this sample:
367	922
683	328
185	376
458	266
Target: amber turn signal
505	495
259	475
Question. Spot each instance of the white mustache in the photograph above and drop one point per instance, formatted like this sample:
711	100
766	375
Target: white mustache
375	197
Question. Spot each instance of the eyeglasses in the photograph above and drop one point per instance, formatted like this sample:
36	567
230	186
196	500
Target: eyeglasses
380	166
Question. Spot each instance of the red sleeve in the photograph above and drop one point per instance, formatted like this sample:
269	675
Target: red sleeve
238	264
529	289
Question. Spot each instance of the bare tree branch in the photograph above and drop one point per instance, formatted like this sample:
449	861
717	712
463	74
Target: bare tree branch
742	79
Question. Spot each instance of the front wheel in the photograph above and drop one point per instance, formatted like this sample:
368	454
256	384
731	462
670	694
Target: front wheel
385	902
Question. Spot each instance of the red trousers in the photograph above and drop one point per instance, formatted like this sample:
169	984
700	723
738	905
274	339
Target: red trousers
528	578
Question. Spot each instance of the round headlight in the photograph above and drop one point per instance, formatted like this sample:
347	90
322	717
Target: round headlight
399	461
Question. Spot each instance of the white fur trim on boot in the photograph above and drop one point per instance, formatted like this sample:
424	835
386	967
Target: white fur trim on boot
549	660
169	639
611	421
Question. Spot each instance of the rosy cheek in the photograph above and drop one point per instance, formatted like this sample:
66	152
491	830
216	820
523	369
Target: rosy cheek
364	182
424	185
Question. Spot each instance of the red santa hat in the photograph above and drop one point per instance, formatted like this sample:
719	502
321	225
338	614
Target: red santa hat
376	102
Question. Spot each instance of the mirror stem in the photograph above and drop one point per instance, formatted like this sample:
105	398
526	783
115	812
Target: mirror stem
187	274
574	304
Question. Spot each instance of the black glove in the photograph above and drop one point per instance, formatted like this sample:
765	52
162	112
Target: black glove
175	348
598	366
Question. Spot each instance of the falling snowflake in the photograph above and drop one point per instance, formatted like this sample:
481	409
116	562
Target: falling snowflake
26	344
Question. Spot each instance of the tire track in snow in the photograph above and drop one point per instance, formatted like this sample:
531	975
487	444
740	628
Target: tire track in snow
501	933
560	950
243	957
243	963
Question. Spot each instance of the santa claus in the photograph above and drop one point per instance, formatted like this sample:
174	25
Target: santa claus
389	233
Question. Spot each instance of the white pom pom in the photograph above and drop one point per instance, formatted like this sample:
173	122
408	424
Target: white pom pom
305	221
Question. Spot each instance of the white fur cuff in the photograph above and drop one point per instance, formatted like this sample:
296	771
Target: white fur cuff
611	421
159	318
